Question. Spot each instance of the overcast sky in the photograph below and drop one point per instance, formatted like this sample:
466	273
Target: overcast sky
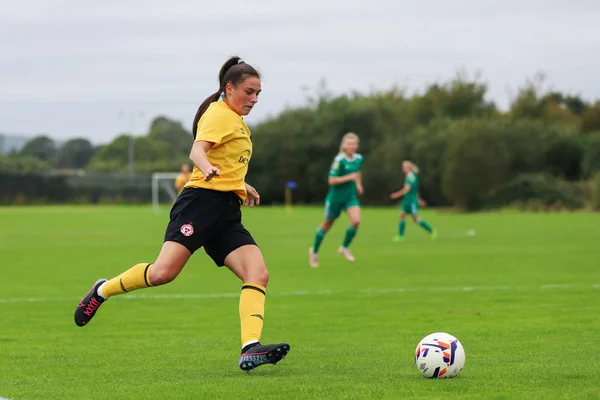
96	69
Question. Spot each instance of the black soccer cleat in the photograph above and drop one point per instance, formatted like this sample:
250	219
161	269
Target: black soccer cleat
87	307
263	354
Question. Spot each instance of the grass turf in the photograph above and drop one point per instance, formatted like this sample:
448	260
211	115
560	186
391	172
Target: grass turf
522	295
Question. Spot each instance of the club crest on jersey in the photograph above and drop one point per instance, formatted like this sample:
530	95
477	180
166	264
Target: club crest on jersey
187	230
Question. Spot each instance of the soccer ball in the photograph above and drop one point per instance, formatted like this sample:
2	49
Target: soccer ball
440	355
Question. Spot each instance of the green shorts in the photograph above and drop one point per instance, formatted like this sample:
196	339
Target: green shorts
410	208
334	208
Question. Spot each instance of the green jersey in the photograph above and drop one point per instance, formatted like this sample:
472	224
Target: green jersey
412	197
343	166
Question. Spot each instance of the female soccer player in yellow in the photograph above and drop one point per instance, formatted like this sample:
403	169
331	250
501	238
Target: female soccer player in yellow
183	178
207	214
345	185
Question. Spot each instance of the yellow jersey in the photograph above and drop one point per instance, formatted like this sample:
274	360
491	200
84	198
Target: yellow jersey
230	153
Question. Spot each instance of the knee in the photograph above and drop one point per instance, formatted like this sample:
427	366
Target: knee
161	274
258	274
355	224
263	277
326	225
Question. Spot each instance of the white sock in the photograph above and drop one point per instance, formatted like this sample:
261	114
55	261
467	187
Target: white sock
249	343
100	291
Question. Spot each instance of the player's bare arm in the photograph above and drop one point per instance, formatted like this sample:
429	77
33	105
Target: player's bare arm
199	158
400	193
359	186
338	180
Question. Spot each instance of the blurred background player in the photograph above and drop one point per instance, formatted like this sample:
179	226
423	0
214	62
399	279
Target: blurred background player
183	178
207	214
345	185
411	201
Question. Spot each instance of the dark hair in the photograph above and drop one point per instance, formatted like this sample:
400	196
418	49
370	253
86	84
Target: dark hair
234	71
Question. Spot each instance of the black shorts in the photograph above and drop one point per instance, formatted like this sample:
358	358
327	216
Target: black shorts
210	219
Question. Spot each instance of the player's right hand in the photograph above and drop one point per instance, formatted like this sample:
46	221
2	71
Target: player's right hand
210	173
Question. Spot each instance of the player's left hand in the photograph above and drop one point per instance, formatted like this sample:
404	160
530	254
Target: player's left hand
359	189
252	196
422	203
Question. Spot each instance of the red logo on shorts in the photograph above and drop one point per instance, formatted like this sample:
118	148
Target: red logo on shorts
187	230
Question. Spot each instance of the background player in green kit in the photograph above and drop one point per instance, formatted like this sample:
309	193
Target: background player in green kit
345	185
411	201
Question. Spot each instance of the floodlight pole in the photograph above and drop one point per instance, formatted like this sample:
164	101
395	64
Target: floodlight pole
131	157
131	149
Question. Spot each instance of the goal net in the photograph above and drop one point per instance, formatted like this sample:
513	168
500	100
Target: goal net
163	183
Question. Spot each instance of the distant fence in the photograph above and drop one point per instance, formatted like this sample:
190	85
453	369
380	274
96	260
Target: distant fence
77	187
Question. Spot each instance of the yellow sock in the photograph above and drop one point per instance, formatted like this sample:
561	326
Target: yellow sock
252	311
137	277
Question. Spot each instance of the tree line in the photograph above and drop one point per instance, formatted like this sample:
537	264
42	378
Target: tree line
544	150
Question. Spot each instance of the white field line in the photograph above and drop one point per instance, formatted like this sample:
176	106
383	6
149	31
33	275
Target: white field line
556	286
303	293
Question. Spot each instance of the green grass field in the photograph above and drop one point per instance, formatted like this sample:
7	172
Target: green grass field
522	295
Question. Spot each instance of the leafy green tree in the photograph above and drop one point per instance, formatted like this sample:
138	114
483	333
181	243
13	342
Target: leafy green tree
590	119
74	154
172	133
563	158
591	158
575	104
430	144
40	147
477	161
22	165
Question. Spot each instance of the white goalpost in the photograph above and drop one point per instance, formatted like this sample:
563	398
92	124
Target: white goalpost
165	181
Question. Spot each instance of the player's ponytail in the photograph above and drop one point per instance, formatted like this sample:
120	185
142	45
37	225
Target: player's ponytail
233	71
348	136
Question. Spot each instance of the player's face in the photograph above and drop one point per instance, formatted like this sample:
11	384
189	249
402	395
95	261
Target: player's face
405	168
244	96
350	146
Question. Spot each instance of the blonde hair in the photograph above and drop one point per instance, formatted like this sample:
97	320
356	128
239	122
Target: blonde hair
348	136
411	165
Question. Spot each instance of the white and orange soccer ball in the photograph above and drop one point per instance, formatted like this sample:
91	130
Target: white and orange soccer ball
440	355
